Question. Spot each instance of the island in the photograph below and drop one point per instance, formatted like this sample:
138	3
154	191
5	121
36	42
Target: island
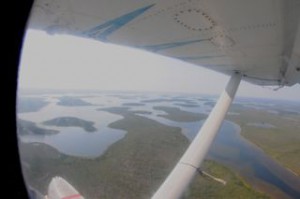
71	122
210	103
30	104
142	112
186	101
177	115
133	104
72	101
29	128
192	105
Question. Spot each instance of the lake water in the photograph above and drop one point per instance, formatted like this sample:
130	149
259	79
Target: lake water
228	148
231	149
261	125
74	140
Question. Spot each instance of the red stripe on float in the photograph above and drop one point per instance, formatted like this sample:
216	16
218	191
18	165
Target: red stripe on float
72	196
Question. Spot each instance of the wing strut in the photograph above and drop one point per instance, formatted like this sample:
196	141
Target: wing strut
182	174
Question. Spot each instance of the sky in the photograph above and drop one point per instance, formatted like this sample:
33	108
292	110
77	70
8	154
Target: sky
69	62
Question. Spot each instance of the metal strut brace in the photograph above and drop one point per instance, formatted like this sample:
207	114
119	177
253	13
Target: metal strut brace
205	174
180	177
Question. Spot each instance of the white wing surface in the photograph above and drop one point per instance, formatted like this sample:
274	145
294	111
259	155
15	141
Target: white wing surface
254	40
258	38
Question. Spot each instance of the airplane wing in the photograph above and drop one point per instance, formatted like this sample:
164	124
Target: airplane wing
258	38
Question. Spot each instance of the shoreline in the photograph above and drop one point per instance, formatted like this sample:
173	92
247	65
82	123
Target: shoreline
256	145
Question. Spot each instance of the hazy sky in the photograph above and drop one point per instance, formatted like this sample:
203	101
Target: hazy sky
67	62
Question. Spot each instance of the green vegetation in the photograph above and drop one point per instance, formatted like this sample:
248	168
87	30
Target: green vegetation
204	99
187	105
142	112
133	167
72	101
210	103
133	104
281	142
30	104
178	115
72	121
29	128
187	101
204	187
287	113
